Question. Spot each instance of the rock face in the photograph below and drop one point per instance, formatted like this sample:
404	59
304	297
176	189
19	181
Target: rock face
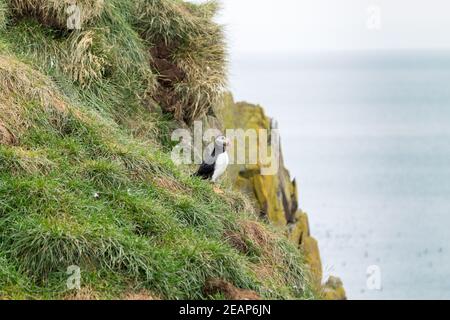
334	290
276	196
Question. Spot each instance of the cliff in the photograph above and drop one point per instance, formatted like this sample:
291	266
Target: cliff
92	205
276	196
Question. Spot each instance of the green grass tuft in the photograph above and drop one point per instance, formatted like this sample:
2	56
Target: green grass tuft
3	14
189	54
86	176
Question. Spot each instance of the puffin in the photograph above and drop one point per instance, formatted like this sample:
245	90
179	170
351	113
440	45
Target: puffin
216	165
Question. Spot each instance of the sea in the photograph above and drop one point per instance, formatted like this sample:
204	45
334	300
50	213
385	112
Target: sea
367	136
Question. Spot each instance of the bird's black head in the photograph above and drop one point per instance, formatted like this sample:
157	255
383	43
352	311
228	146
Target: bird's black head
221	144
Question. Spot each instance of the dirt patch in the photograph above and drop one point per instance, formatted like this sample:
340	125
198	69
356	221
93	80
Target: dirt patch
250	232
169	184
256	233
85	293
140	295
6	137
236	240
168	71
265	270
230	292
169	75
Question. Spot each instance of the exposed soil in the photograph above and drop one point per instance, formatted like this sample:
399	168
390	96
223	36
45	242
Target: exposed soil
170	184
236	241
169	75
141	295
230	292
256	233
85	293
250	232
6	137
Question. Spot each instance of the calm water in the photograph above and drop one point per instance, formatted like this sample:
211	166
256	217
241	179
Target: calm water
368	137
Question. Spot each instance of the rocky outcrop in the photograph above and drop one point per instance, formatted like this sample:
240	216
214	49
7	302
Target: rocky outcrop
334	290
299	232
276	196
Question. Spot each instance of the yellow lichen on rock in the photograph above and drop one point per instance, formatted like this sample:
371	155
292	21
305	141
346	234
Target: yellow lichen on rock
299	232
300	229
334	290
266	193
310	248
275	195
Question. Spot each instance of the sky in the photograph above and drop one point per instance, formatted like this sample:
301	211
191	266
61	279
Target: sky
292	26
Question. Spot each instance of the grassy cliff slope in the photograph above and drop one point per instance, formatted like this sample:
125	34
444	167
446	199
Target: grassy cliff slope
86	177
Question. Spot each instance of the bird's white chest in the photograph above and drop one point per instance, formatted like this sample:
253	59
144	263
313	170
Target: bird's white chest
221	166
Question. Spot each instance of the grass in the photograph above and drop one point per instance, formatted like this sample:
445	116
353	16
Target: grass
85	171
186	42
3	14
53	12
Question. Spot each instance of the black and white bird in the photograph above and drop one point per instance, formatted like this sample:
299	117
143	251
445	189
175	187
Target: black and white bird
215	166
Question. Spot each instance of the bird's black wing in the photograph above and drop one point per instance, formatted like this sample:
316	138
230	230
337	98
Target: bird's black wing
206	171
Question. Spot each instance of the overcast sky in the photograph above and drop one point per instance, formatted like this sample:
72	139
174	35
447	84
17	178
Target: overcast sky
298	25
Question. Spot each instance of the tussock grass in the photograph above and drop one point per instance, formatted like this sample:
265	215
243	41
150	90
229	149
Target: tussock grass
108	60
53	12
105	173
3	14
18	160
17	78
166	52
83	64
189	54
21	87
12	283
274	259
85	171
